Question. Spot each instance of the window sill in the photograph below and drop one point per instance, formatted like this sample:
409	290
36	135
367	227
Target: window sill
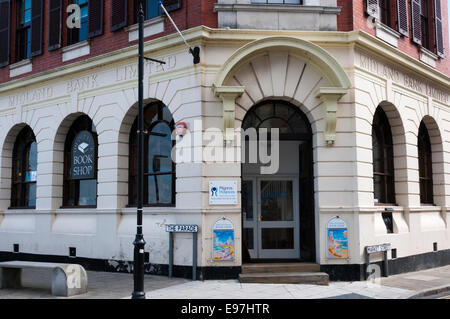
386	33
272	16
274	7
151	27
76	50
386	205
428	57
21	67
79	207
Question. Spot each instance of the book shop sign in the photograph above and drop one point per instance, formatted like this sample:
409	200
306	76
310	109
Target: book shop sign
83	154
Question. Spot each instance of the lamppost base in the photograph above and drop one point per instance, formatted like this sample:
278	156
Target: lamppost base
138	295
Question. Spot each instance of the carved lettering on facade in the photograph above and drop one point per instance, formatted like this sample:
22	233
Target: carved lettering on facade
130	72
31	96
413	83
82	84
389	72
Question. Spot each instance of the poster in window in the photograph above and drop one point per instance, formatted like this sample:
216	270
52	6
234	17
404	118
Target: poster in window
337	239
223	240
83	156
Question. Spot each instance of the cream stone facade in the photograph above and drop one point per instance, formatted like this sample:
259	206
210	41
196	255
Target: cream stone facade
336	79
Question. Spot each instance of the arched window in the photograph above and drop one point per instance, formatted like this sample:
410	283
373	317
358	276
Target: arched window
159	169
293	124
425	165
24	170
383	159
80	164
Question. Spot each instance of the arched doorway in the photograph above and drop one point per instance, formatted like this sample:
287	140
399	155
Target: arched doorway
278	209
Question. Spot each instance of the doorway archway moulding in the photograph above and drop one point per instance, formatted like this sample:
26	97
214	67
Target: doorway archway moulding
337	80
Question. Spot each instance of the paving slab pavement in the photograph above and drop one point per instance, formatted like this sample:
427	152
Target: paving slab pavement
101	285
104	285
401	286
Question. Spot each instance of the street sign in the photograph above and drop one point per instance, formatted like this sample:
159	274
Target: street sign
181	228
378	248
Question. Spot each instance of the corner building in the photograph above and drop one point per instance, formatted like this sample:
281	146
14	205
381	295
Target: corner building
359	91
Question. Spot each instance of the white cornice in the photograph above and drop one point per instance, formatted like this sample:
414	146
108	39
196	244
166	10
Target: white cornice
206	36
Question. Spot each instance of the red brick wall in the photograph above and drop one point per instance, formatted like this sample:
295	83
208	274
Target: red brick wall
199	12
362	22
345	18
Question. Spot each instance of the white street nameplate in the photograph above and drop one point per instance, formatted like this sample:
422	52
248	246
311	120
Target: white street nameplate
182	228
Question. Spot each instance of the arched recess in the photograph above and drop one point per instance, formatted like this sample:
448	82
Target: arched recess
124	151
6	164
285	68
437	158
399	152
59	140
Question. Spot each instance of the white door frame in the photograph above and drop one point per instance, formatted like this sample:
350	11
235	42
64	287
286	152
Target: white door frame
257	225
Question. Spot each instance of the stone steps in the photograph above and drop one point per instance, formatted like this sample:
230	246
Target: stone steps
283	273
279	267
316	278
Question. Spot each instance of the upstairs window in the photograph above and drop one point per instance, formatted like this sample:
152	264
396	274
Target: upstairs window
427	26
392	13
388	13
425	17
152	8
23	30
425	165
24	176
383	159
91	21
75	35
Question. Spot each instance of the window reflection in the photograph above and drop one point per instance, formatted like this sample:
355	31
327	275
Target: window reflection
159	169
80	191
24	172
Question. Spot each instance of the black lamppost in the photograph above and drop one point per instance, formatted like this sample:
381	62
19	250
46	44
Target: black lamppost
139	242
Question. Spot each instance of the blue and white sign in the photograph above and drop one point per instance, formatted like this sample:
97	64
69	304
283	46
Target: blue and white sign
223	193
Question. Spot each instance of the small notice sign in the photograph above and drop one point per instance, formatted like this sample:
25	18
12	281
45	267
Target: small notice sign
223	240
337	238
181	228
223	193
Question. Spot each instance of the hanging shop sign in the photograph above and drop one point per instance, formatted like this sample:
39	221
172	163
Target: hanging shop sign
83	156
223	240
337	238
223	193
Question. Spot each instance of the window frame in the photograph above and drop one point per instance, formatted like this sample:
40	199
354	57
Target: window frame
381	131
23	31
427	18
133	156
73	34
80	124
425	157
388	13
25	137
